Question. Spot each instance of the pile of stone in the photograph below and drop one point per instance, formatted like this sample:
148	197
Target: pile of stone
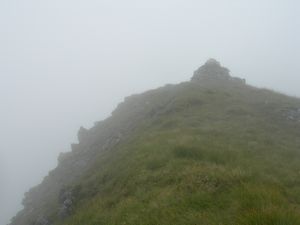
213	72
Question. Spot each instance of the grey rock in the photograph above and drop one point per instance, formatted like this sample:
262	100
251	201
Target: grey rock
212	71
65	195
42	221
66	200
68	203
63	212
75	147
292	114
63	156
82	134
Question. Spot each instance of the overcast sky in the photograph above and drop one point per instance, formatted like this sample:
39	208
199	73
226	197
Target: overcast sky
67	63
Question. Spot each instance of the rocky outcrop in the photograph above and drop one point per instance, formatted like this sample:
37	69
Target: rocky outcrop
42	221
213	72
66	201
82	134
292	114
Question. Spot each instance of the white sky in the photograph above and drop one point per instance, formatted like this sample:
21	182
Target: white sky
67	63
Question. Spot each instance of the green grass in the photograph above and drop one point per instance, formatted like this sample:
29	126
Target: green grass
209	163
211	156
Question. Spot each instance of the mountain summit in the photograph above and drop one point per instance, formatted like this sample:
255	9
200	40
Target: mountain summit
212	150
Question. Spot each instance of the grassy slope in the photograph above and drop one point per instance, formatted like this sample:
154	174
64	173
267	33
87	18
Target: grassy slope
217	155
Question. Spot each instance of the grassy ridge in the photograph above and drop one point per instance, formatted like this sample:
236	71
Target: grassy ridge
221	155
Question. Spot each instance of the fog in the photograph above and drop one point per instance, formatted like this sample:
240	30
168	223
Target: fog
67	63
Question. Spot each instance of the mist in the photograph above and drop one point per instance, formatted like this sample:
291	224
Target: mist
66	64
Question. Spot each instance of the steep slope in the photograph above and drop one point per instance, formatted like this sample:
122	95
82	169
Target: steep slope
210	151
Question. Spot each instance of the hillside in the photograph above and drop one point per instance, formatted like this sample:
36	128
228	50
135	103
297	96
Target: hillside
211	151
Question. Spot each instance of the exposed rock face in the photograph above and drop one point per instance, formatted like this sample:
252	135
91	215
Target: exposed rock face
82	134
42	221
293	114
66	200
213	72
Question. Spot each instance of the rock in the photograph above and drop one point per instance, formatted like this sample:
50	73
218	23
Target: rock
68	203
27	201
82	134
75	147
63	212
238	80
65	195
63	156
212	71
66	200
293	114
42	221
